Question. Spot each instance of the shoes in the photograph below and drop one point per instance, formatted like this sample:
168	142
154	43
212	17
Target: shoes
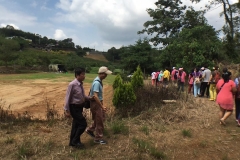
90	133
100	141
78	145
211	99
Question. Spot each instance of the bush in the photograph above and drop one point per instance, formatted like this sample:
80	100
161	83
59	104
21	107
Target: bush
137	78
117	82
124	96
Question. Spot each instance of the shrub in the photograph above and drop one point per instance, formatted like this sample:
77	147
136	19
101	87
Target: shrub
137	78
124	96
117	82
186	133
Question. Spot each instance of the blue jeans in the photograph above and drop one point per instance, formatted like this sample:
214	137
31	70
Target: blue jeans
196	87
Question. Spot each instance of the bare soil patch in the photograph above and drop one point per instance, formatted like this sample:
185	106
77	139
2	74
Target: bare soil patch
33	96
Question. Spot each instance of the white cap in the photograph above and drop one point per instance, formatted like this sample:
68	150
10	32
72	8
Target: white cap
180	69
202	68
104	69
173	67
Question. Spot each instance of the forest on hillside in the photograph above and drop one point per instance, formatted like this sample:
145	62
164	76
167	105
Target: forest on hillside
177	35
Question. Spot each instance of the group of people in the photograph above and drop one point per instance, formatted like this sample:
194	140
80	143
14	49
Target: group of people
75	101
216	85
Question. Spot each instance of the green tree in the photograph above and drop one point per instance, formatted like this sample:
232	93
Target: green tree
117	81
8	50
124	96
138	54
166	23
195	47
137	79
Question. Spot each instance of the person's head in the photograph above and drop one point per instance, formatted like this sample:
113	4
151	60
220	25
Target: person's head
216	68
202	69
196	69
226	75
80	74
103	72
173	68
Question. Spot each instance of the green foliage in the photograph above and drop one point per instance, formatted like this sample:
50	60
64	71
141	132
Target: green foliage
145	130
186	133
137	54
148	148
118	127
166	21
118	82
137	78
8	50
124	96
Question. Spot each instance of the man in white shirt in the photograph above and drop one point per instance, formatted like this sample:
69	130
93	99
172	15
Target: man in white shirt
205	85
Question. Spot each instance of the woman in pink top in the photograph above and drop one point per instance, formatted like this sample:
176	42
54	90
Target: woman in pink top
225	89
190	82
181	79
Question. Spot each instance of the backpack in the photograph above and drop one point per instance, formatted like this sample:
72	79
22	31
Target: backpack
175	74
216	77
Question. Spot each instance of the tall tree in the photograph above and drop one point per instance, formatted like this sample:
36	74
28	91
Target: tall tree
166	21
138	54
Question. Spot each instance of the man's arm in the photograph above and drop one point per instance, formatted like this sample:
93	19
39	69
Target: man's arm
67	100
96	98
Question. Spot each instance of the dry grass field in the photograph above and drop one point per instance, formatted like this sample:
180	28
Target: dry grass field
98	57
188	129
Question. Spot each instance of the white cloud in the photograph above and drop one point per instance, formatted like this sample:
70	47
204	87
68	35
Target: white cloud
15	17
115	20
59	34
4	25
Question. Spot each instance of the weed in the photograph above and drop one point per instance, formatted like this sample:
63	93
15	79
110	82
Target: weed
186	133
146	147
118	127
145	130
203	144
9	140
24	151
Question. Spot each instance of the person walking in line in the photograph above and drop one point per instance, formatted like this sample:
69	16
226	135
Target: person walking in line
153	77
214	78
160	78
225	89
97	108
190	82
196	82
74	103
237	100
174	74
205	82
181	79
166	77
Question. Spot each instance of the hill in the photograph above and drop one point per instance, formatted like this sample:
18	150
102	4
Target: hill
97	56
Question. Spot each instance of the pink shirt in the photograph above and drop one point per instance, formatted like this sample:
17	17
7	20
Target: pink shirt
183	76
190	79
75	94
172	74
225	95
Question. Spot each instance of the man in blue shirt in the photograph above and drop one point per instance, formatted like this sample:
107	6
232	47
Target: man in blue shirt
97	108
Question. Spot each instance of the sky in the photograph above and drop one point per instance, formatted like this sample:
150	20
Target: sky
98	24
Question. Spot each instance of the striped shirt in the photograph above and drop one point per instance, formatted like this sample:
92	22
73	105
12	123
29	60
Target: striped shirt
75	94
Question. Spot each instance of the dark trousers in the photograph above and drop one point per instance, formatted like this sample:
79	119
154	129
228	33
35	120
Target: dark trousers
204	86
79	124
181	86
190	86
237	107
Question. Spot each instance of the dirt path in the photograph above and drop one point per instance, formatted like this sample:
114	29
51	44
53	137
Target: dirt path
34	96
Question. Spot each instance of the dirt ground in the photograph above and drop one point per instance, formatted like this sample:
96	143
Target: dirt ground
33	96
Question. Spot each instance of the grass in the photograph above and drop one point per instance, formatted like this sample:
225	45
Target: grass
145	129
118	127
146	147
186	133
55	77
